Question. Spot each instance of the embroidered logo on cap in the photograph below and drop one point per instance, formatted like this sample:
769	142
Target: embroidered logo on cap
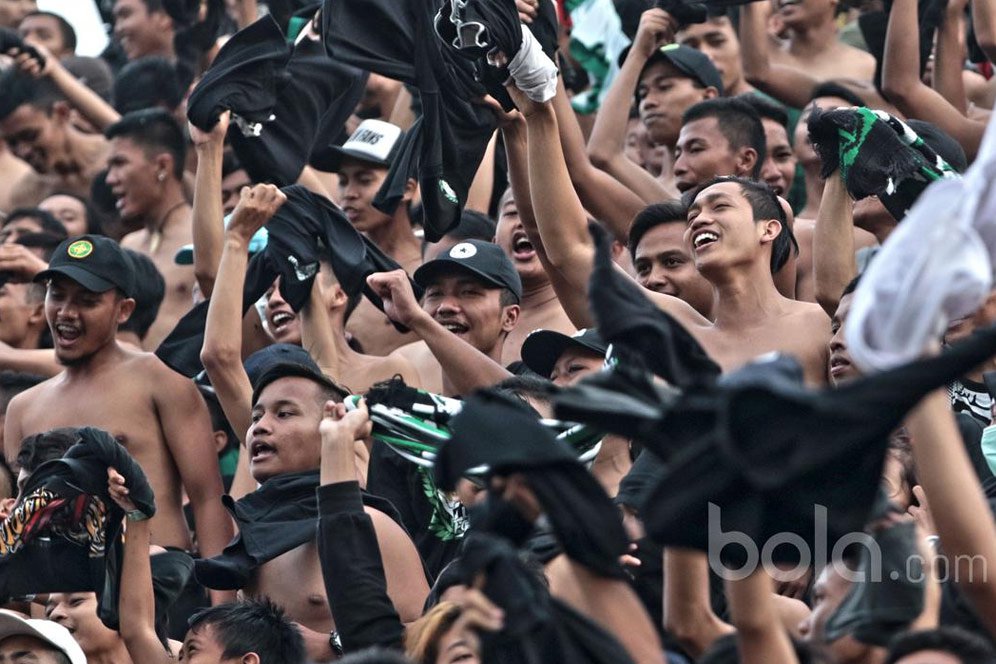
80	249
463	250
448	192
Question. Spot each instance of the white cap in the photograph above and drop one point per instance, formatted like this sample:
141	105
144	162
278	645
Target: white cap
374	141
52	633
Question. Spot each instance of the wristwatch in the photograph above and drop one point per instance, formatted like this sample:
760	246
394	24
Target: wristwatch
136	515
336	643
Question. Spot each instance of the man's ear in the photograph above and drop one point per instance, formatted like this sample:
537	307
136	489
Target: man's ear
250	658
220	441
710	93
770	229
510	317
164	165
746	161
410	188
125	309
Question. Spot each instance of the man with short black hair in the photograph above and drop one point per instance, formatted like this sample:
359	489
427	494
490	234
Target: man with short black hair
718	137
143	27
156	413
662	259
35	120
145	174
49	30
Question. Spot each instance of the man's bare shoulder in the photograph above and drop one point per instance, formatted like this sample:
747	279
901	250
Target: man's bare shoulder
808	313
413	352
679	309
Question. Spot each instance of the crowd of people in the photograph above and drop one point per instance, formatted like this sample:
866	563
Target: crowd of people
486	331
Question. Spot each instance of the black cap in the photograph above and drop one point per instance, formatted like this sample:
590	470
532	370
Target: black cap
265	359
542	348
689	61
482	259
93	261
280	370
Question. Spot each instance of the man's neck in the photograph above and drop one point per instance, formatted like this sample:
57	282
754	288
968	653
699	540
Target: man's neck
108	355
739	87
397	240
811	41
537	293
494	354
166	211
129	339
31	341
745	296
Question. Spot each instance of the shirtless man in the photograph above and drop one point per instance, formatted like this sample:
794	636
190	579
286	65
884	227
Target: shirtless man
540	307
733	225
281	418
145	173
362	164
717	38
156	413
35	121
813	46
470	307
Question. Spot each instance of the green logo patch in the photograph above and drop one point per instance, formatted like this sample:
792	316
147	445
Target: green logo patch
80	249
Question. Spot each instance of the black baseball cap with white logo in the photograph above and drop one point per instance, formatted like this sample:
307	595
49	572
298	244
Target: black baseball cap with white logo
95	262
374	142
484	260
542	348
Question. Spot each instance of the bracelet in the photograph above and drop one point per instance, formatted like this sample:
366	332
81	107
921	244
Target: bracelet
335	643
136	515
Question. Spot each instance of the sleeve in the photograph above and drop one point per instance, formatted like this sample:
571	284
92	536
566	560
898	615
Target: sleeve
354	572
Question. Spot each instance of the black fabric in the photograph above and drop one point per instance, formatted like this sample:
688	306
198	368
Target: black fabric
245	77
445	145
406	486
10	40
48	561
502	433
890	594
758	437
635	326
353	571
306	227
171	571
309	116
538	627
280	515
474	28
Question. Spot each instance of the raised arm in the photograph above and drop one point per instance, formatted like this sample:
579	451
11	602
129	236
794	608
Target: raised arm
902	85
957	502
136	600
688	614
90	105
788	85
761	638
606	146
466	367
222	350
984	22
834	265
950	56
609	200
208	216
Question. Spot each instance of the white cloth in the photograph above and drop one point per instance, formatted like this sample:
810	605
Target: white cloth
532	70
936	267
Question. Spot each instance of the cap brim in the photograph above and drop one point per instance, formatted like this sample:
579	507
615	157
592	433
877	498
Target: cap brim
332	159
425	274
87	280
541	349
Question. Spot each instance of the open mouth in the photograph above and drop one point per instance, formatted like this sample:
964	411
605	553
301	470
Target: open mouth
66	335
454	327
703	239
839	365
522	248
261	450
281	319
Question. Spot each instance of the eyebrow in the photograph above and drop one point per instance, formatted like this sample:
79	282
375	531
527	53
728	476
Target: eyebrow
708	198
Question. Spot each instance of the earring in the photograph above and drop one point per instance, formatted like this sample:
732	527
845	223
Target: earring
162	176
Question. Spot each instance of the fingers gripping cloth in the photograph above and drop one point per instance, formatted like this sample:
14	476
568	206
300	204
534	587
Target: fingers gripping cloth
532	71
936	267
877	155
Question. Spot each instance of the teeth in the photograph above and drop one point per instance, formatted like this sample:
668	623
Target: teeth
704	237
455	329
282	318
